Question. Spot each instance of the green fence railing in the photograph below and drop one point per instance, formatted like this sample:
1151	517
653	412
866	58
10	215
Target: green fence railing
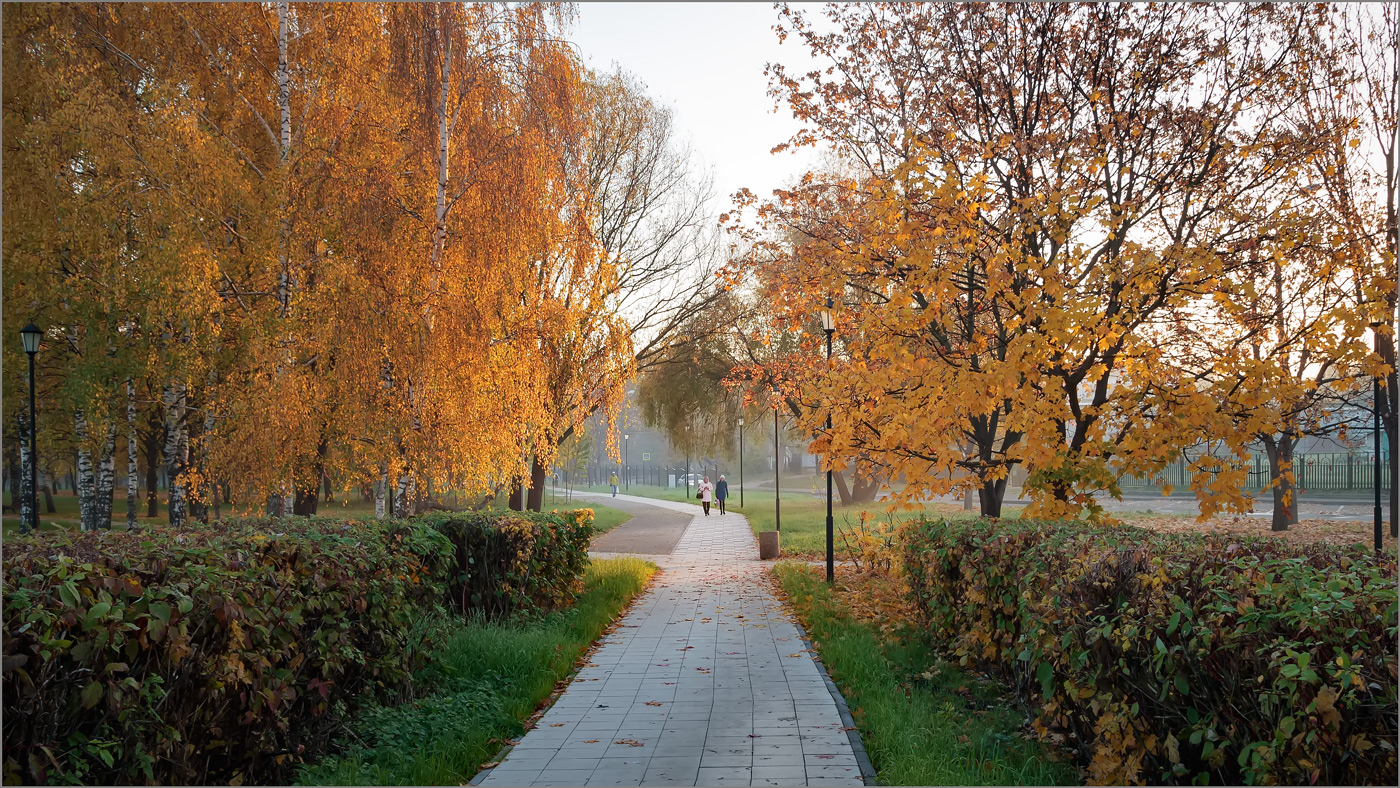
1316	472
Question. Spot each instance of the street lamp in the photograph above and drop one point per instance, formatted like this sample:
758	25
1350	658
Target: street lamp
30	336
1375	459
777	466
741	463
829	326
626	463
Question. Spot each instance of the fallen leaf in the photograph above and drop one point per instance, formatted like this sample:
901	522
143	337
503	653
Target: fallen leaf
629	742
490	765
556	725
653	703
590	741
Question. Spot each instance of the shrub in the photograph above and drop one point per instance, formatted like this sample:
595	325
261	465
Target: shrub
531	560
207	653
217	654
1171	658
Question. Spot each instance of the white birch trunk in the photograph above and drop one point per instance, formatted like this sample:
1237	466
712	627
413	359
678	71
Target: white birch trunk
381	485
133	483
177	446
284	104
403	502
24	504
87	487
440	214
106	480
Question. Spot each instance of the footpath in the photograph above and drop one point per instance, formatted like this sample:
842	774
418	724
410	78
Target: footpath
706	680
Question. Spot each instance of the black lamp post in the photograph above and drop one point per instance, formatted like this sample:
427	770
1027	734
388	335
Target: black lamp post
741	463
30	336
1375	459
777	467
829	326
626	463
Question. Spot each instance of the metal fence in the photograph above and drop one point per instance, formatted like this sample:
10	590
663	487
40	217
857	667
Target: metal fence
1316	472
649	475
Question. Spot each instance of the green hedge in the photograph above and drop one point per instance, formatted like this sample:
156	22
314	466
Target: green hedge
218	654
536	560
1174	659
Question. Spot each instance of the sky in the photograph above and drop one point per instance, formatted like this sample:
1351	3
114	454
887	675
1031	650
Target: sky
705	61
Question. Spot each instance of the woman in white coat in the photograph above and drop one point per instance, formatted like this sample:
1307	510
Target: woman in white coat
707	494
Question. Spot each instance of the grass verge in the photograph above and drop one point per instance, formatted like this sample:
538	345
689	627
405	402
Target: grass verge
484	682
803	513
923	721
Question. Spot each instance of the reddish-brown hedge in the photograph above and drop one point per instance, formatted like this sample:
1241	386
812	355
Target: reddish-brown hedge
210	655
1168	658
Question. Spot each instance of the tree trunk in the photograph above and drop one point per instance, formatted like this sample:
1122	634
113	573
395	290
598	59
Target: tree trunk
380	486
537	484
517	496
177	446
403	496
133	485
106	480
196	494
47	489
24	505
87	487
990	496
866	487
214	492
307	499
284	105
1282	478
154	428
839	477
326	485
12	469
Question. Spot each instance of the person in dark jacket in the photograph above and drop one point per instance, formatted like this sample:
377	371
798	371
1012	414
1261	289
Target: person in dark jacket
721	492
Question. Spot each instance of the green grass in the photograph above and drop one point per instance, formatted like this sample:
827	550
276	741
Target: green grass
916	724
485	681
347	505
803	514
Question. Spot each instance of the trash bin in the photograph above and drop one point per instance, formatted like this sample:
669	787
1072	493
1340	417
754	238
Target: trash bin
767	545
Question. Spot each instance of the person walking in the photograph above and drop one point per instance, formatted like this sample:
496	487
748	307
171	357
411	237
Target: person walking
721	492
613	481
707	492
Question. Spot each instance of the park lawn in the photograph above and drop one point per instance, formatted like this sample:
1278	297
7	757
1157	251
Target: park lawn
343	506
923	721
66	513
485	681
803	513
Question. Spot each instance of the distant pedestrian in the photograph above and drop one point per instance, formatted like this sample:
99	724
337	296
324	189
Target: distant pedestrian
707	492
613	481
721	492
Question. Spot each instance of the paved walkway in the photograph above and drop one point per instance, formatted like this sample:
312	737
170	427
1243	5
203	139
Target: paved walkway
706	681
652	531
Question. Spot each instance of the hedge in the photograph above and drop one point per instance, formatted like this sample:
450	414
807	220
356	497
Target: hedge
1174	659
229	653
537	560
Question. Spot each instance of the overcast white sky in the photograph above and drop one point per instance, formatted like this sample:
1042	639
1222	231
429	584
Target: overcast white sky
705	61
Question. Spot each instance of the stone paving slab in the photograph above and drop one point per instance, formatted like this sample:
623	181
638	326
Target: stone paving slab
705	681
